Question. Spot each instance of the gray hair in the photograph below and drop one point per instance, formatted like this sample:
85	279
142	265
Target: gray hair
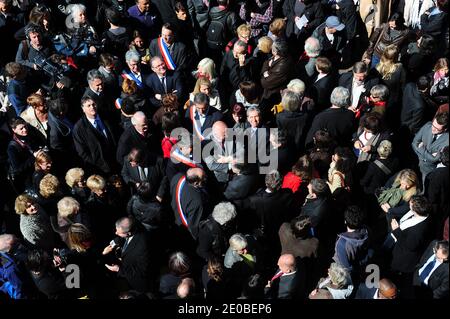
296	86
320	187
6	242
340	97
208	65
312	47
67	206
385	149
241	43
274	180
126	224
136	116
74	9
339	275
238	242
201	98
280	47
132	55
380	91
224	212
94	74
154	58
290	101
253	108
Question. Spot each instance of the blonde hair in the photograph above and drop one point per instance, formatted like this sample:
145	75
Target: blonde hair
48	186
201	81
243	28
265	44
41	158
388	63
78	235
410	177
20	205
67	206
96	183
277	27
74	176
35	100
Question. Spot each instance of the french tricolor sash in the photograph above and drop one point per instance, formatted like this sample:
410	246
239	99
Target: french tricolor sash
178	191
166	54
118	103
195	124
132	77
183	159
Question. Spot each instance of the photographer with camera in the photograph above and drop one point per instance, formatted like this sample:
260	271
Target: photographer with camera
33	49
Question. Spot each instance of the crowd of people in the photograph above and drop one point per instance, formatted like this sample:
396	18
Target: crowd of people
224	149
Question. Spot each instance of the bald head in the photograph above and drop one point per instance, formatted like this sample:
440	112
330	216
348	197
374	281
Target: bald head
140	122
287	263
387	289
196	176
219	130
186	288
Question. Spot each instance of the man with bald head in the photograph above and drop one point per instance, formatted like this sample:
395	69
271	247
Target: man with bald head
190	203
138	136
386	290
219	152
285	283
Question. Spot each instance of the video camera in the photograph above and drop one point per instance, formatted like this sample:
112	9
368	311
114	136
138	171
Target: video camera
50	68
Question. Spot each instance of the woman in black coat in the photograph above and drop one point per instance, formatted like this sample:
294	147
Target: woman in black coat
22	149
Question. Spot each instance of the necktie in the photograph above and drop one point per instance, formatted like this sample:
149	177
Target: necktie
99	126
163	83
434	138
276	276
427	270
127	241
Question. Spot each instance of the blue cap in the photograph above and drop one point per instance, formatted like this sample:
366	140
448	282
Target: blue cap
334	23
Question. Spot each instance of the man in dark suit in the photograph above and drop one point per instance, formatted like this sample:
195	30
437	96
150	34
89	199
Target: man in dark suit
135	71
411	235
234	68
258	137
285	283
430	141
317	206
136	136
162	82
190	202
431	275
323	84
134	265
436	190
244	183
95	91
358	82
137	170
201	116
174	53
337	120
94	140
386	290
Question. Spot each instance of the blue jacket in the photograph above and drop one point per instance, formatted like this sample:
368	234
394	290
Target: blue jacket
10	282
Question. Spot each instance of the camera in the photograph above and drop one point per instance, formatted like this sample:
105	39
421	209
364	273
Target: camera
50	68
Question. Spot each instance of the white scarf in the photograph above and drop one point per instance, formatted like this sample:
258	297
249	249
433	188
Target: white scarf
409	220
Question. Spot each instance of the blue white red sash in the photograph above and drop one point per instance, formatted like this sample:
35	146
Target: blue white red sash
130	76
166	55
118	103
195	124
183	159
178	191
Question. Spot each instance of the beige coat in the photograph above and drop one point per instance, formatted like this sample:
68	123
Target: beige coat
30	117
